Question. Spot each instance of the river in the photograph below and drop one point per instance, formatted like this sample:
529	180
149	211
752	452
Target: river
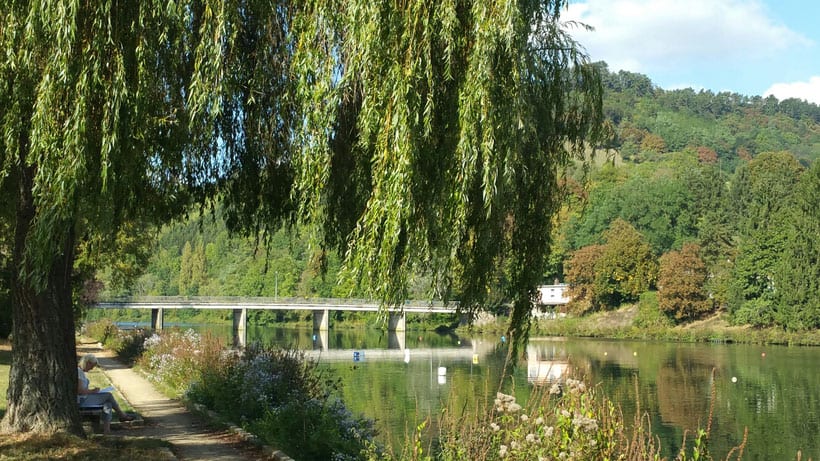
774	391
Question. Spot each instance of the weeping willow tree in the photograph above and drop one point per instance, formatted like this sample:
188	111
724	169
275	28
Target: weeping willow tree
417	137
114	113
433	139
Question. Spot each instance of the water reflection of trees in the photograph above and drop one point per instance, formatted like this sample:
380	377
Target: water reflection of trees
683	389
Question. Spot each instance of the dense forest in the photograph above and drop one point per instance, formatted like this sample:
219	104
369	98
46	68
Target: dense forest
710	201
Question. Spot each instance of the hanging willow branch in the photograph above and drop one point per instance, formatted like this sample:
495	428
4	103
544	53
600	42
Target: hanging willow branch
465	115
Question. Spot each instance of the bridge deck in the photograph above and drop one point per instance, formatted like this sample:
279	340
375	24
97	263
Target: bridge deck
271	304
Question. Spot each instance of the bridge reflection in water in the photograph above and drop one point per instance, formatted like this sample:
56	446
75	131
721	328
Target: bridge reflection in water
470	350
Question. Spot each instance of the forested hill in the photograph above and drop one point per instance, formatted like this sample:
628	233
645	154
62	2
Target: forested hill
710	203
650	121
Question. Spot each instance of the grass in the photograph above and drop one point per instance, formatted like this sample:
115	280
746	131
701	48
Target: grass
37	447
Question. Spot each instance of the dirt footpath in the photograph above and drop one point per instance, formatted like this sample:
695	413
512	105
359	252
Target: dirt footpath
167	419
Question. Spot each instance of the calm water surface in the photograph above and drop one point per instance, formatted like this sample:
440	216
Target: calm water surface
773	391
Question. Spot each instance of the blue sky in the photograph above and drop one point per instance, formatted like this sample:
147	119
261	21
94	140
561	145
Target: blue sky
751	47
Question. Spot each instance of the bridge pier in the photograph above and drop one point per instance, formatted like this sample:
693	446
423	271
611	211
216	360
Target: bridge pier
321	320
320	340
156	319
240	328
396	340
397	321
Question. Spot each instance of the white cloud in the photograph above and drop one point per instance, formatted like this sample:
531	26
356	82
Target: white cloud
810	91
646	35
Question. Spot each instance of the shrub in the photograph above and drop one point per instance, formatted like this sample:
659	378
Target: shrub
278	395
176	358
316	429
757	312
128	344
649	312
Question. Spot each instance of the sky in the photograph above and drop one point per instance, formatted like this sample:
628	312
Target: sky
750	47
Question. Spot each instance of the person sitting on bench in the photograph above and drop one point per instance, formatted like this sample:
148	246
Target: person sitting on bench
93	398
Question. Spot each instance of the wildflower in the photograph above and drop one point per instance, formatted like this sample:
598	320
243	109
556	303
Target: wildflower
539	421
548	431
587	424
504	402
582	387
495	427
504	398
515	445
555	389
525	418
565	413
502	451
576	386
530	438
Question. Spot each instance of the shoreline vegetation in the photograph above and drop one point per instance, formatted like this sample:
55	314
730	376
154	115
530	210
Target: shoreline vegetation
610	325
565	420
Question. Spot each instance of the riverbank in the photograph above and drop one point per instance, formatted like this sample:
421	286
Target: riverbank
623	324
629	323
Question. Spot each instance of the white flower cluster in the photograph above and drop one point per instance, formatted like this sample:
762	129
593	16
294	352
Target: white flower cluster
585	423
506	403
152	341
576	386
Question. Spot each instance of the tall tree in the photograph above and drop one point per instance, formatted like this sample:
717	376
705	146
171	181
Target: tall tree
681	279
627	266
90	139
581	275
430	134
798	271
763	192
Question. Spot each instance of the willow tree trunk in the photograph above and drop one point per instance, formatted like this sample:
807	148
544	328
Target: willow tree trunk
43	380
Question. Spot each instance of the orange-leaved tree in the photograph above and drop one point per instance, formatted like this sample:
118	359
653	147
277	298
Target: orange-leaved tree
681	283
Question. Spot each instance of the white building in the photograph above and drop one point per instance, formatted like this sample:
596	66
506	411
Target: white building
552	296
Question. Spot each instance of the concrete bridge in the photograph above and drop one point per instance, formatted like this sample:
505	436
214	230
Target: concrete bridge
550	295
396	316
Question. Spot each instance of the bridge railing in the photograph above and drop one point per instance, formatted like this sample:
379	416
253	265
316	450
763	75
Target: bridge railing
239	300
